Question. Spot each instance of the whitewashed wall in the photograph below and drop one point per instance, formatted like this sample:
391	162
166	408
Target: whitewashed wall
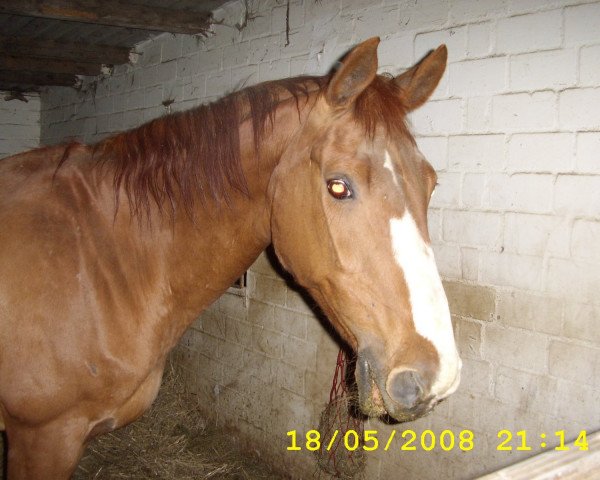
514	132
19	124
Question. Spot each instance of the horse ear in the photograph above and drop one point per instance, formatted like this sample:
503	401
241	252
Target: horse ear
356	72
419	82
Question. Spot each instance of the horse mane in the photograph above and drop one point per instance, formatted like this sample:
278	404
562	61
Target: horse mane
194	155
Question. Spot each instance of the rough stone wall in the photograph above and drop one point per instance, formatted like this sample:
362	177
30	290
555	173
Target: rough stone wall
19	124
514	133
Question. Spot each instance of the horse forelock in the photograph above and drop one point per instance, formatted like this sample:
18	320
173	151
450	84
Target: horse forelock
380	105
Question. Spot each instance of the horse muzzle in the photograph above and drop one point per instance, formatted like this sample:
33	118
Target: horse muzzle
402	393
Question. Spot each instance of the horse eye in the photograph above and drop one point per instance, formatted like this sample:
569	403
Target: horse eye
339	189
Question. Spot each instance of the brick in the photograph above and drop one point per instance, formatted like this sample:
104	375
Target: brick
233	306
213	324
526	391
244	76
472	228
234	55
506	269
471	301
218	84
581	24
516	348
188	66
585	240
574	362
267	341
469	263
447	260
473	190
577	280
264	49
260	25
171	47
589	66
434	224
300	353
261	314
293	323
435	150
577	195
588	153
578	109
466	11
473	78
256	364
479	115
537	71
521	192
529	234
541	152
468	338
479	40
524	112
527	33
274	70
385	17
581	322
291	378
297	299
438	117
577	403
395	53
538	313
447	191
454	38
430	15
476	153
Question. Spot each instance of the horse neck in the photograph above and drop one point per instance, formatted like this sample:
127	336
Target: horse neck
223	240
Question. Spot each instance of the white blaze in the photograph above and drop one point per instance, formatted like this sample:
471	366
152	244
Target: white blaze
430	311
390	166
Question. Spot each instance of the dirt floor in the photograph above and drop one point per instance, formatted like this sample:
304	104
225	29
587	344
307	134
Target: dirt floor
171	441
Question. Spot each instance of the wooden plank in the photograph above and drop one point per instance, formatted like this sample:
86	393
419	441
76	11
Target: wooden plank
26	79
22	46
112	12
572	464
31	64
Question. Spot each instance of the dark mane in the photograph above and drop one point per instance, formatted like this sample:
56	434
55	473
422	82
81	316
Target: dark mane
194	155
179	159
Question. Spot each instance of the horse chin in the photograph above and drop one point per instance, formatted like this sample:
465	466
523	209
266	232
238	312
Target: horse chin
375	402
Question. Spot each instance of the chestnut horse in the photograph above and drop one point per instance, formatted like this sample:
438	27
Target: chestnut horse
109	252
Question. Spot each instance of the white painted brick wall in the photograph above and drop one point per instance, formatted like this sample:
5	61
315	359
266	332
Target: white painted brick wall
19	124
514	132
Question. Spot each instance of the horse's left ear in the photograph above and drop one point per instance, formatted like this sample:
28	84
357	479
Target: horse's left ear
419	82
356	72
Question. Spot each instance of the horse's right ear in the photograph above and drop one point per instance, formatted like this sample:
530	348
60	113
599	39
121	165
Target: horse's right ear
356	72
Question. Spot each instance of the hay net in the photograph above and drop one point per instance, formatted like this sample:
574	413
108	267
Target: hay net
341	453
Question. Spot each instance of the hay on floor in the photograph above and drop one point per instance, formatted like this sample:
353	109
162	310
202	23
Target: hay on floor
170	441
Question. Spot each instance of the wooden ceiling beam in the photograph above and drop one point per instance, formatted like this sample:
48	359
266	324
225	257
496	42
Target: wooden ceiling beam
31	64
8	77
113	13
59	50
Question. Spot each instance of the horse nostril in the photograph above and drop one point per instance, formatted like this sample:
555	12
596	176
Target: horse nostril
405	387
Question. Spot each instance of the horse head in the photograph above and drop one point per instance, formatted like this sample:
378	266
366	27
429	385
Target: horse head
349	221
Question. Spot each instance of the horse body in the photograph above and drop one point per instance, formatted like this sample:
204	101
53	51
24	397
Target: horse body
109	252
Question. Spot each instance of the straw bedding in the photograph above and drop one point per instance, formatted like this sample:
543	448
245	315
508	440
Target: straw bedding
171	441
